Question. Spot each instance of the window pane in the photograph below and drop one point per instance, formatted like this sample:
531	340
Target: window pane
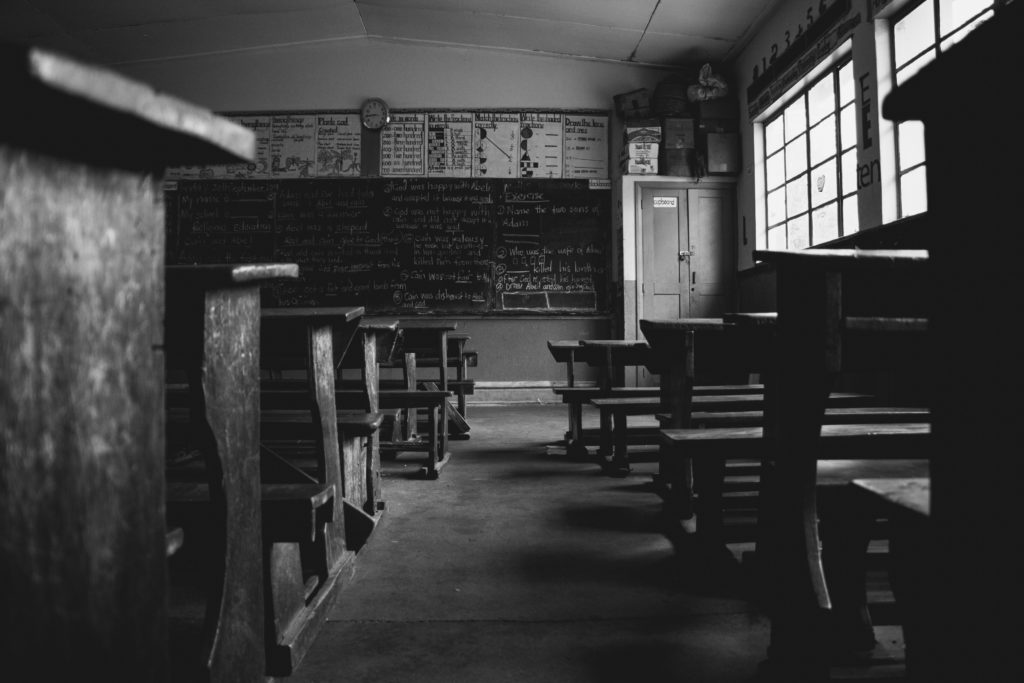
848	179
796	119
825	223
777	206
821	99
796	156
962	33
823	183
773	135
798	233
796	196
953	13
775	172
851	215
823	140
907	72
848	127
914	32
777	237
911	149
846	84
913	192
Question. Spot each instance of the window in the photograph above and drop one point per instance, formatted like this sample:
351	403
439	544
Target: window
919	34
810	167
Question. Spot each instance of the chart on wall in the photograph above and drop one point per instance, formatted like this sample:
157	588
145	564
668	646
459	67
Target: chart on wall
436	144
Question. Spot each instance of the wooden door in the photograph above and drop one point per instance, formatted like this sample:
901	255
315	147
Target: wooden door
666	252
712	256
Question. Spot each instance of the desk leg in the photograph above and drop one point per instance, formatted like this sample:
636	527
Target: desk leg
371	382
225	390
320	351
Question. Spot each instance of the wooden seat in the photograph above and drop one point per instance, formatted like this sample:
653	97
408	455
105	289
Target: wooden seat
385	336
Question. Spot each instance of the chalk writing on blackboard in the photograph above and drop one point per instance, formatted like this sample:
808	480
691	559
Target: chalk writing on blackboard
406	245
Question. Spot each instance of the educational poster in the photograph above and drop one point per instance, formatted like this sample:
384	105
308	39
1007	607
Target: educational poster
403	148
293	146
338	141
540	145
260	166
586	146
496	145
449	145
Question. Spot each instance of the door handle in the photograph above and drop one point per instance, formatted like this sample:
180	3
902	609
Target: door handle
683	255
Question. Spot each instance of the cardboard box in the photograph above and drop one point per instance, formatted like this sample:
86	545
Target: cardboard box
642	131
633	103
723	153
679	133
679	162
640	150
644	166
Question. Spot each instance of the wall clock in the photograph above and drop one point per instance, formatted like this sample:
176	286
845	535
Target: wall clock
375	113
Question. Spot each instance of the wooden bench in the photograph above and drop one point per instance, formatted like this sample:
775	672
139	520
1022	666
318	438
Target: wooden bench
750	403
425	341
381	342
825	330
295	418
212	322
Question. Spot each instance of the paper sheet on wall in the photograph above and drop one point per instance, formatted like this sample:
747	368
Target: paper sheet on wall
586	146
338	140
540	147
260	166
496	145
403	149
449	144
293	146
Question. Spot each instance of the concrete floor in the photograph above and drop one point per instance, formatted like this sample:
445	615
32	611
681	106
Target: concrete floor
519	564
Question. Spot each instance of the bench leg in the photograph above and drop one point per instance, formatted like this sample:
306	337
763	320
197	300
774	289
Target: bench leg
845	529
618	466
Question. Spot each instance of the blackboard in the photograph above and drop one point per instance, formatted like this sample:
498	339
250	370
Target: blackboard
407	245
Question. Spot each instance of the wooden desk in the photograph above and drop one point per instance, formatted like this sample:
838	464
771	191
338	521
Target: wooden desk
816	340
82	157
322	335
432	335
212	334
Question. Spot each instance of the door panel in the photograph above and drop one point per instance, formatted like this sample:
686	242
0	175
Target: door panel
711	241
665	232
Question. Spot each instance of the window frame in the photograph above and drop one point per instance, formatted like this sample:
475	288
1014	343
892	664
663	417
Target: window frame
940	42
832	67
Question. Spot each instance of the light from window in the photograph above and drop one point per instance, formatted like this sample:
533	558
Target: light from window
918	37
811	164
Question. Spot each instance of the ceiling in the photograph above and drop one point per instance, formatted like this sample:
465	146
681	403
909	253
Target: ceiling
654	32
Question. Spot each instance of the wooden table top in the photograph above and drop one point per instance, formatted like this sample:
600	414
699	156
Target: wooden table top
210	275
844	259
343	313
912	493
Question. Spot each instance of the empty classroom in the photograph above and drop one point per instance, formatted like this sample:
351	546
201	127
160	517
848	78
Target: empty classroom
469	341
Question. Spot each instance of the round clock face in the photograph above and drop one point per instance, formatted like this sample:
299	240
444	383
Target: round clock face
374	113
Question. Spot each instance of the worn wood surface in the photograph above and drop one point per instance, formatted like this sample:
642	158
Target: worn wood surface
81	424
82	154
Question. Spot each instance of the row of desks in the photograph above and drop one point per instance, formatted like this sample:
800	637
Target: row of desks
216	334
